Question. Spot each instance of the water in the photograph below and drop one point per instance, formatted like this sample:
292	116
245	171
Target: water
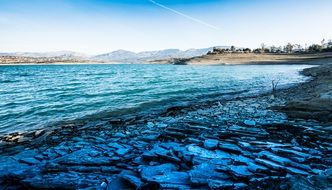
35	96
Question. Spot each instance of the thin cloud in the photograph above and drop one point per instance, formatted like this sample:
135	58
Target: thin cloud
184	15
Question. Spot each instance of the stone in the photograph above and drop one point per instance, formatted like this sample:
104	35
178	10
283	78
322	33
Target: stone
150	137
273	157
291	152
118	135
224	184
103	186
256	168
150	124
115	145
239	171
203	153
149	172
133	180
173	180
29	161
201	174
211	144
269	164
230	147
122	151
161	125
250	122
296	171
82	157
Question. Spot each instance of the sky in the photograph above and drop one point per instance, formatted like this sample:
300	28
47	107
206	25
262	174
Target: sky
100	26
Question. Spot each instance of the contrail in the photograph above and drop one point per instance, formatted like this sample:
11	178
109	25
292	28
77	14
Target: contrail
184	15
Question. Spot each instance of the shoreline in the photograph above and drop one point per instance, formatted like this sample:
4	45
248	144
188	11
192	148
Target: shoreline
219	59
253	58
264	147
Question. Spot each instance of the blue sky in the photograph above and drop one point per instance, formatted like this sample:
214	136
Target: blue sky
98	26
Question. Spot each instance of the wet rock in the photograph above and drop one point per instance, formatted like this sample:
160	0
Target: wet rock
211	144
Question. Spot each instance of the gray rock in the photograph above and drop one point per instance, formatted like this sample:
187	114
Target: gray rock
201	174
269	164
149	172
133	180
211	144
250	122
203	153
173	180
239	171
122	151
118	135
274	158
29	161
230	147
224	184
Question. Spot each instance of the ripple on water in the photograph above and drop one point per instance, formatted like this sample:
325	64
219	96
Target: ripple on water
37	95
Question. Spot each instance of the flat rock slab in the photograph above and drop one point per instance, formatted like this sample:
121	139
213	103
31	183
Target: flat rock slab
211	144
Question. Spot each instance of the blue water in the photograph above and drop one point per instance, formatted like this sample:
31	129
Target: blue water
35	96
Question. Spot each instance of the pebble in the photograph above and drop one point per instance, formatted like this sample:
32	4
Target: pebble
250	122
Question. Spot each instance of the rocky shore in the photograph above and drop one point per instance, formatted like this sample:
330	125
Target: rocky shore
276	141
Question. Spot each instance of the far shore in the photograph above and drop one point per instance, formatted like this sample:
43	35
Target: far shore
193	143
252	58
214	59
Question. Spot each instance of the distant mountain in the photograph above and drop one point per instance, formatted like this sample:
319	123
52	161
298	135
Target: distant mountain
117	56
128	56
63	54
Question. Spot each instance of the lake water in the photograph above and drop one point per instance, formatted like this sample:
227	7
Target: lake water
35	96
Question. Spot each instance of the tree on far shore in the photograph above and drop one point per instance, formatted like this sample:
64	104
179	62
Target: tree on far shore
288	48
315	48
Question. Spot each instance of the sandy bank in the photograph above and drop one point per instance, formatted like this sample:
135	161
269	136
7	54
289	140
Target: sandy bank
253	58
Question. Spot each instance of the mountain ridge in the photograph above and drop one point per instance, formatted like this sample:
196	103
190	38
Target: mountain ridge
117	55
